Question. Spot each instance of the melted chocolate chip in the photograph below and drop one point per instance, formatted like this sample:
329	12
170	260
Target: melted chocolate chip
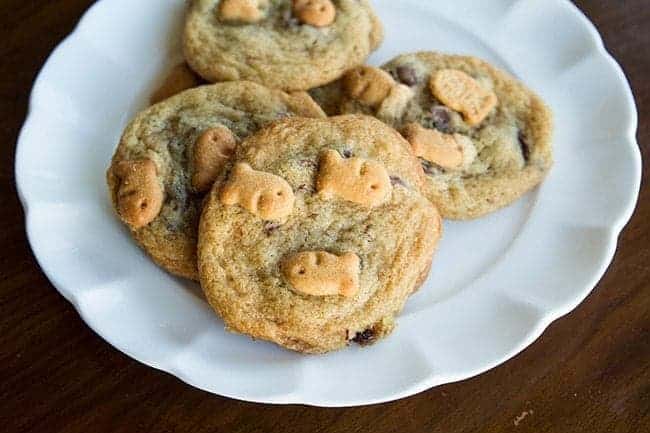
396	180
270	227
305	188
441	118
407	75
347	153
365	338
428	168
524	145
288	20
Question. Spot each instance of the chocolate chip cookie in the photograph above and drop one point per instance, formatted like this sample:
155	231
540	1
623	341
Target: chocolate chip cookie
171	153
318	233
482	137
285	44
177	80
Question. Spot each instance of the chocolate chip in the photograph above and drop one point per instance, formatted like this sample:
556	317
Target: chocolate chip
270	227
347	153
288	20
428	167
524	145
365	338
305	188
441	118
407	75
395	180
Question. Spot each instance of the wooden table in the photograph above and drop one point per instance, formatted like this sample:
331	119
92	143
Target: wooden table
589	372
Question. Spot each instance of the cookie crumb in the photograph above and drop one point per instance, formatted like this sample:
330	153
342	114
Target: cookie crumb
521	417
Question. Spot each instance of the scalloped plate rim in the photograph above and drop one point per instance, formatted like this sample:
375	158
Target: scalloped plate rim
614	231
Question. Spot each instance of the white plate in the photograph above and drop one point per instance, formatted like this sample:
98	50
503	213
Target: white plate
496	284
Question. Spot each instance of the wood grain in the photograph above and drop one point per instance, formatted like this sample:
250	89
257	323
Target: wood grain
589	372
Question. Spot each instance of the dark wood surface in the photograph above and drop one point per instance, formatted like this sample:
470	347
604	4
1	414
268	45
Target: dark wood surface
589	372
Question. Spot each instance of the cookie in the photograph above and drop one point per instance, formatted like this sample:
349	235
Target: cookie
170	154
177	80
482	137
285	44
353	237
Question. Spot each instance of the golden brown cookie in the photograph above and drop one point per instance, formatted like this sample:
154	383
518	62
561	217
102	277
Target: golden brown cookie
171	153
338	269
177	80
483	138
285	44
